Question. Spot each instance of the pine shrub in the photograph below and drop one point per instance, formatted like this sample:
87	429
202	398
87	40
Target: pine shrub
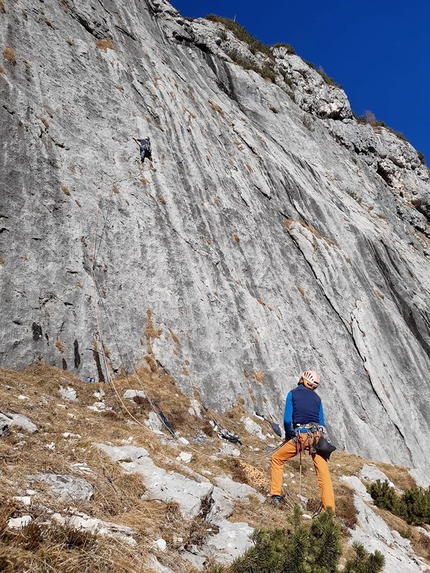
364	562
303	549
413	505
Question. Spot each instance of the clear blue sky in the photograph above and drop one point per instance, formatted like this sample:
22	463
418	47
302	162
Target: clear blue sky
379	50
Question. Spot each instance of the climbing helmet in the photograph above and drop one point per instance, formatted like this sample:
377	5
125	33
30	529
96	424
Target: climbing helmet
310	379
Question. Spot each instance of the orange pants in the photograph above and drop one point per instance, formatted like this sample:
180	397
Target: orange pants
288	451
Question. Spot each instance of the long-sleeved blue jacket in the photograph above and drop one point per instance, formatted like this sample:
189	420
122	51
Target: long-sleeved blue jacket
302	406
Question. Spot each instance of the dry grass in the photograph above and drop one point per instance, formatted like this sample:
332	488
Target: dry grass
44	121
65	190
10	56
118	496
216	107
2	7
104	45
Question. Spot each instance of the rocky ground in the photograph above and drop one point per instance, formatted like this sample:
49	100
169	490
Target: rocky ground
93	477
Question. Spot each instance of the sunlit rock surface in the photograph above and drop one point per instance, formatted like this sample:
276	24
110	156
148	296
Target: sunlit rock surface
271	233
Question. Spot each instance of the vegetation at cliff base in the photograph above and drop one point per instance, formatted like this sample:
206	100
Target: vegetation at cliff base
413	506
300	549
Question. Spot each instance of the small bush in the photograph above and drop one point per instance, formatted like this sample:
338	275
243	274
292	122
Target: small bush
328	80
242	35
2	8
265	71
413	505
10	56
421	157
302	548
365	562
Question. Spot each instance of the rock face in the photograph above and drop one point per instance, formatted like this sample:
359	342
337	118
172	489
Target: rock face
271	233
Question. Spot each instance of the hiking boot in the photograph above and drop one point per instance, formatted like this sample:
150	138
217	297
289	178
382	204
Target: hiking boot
276	500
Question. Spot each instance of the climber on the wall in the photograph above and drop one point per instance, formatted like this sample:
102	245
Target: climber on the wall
304	430
145	148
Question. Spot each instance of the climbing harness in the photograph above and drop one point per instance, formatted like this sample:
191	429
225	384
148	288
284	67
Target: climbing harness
306	438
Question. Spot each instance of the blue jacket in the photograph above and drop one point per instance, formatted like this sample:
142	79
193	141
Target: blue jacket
302	406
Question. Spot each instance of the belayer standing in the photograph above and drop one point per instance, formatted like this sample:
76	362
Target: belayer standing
145	148
304	428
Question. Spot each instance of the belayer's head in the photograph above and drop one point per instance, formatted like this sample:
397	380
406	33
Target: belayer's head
310	379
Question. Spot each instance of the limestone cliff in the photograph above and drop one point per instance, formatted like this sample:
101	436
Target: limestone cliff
272	232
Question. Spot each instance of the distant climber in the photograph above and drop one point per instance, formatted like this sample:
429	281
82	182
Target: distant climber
304	429
145	148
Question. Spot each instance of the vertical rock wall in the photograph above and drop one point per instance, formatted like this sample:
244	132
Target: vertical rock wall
270	233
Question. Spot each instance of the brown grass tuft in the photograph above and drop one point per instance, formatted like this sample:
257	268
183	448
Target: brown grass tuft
10	56
43	120
65	190
104	45
259	376
216	107
59	345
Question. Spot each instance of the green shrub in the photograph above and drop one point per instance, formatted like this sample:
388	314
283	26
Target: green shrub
413	505
265	71
421	157
241	34
364	562
301	549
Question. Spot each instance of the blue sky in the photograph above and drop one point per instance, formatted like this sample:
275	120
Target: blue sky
379	50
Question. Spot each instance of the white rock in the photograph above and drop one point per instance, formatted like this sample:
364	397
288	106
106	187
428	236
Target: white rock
68	394
253	428
229	450
130	394
65	487
154	423
100	394
370	472
160	544
24	499
161	485
18	421
185	457
195	406
19	522
240	491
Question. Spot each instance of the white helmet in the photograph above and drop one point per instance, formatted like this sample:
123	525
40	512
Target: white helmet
310	379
